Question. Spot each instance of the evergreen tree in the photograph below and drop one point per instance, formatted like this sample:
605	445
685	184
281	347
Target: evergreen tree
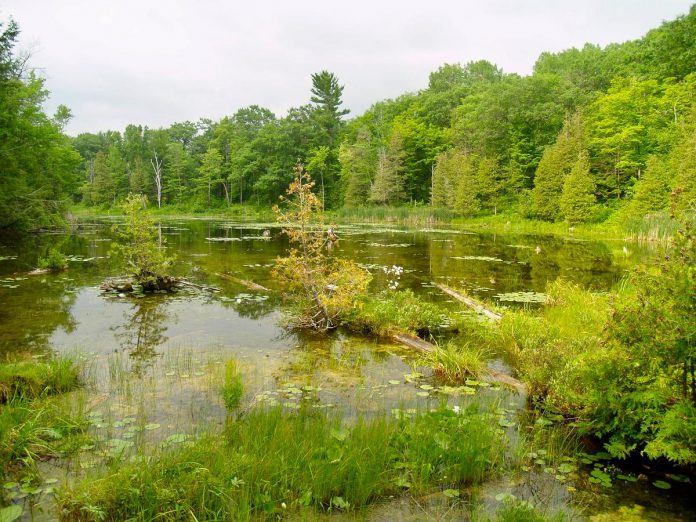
488	184
450	166
466	200
357	168
578	199
209	173
388	187
555	164
652	190
103	182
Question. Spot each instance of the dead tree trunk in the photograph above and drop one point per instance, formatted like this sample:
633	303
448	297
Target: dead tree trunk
157	167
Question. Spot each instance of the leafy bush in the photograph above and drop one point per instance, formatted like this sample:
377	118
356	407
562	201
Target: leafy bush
54	260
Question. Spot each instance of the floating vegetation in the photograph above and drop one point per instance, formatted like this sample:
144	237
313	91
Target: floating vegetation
522	297
223	239
8	258
391	245
244	298
479	258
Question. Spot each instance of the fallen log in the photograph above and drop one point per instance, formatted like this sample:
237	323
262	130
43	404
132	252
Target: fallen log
470	302
249	284
423	346
185	282
414	342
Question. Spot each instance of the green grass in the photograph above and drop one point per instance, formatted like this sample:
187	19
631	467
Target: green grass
453	363
401	311
27	380
232	388
269	463
408	214
35	423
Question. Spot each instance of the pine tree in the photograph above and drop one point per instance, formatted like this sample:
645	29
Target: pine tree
556	162
652	190
103	182
577	200
388	187
488	184
357	168
682	161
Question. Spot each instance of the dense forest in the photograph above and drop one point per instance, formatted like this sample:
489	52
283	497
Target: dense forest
593	132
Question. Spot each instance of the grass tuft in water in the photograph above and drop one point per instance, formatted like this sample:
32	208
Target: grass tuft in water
270	462
232	388
452	363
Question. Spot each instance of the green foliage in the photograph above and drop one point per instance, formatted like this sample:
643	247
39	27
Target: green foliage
402	311
141	247
34	424
38	161
554	167
389	183
651	193
29	380
578	200
324	289
233	387
269	463
54	260
452	363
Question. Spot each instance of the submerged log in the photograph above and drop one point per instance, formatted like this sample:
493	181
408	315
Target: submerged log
249	284
411	341
424	346
470	302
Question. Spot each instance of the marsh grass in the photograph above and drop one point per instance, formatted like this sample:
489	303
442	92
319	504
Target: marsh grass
413	215
270	462
233	387
401	311
454	363
35	422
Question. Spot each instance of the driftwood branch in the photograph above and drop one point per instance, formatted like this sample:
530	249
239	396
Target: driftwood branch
470	302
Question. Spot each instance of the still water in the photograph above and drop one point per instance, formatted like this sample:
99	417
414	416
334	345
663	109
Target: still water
157	361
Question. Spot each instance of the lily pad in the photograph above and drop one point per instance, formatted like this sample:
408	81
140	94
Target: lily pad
661	484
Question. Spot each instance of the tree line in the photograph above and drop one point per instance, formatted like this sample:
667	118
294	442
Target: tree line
590	132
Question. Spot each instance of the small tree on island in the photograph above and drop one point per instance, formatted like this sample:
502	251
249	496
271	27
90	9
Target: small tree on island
141	247
323	288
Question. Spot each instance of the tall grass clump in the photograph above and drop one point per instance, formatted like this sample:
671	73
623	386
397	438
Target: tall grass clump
27	380
411	215
232	387
452	363
270	462
34	423
403	311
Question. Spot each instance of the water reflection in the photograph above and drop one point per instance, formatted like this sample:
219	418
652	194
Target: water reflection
143	331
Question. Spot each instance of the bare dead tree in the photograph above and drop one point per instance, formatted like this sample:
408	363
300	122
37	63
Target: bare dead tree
157	167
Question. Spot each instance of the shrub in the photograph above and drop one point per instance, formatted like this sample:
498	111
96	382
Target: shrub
54	260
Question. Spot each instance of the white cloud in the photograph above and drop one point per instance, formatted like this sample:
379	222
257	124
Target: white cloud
158	61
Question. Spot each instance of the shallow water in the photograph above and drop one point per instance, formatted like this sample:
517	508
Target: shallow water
155	364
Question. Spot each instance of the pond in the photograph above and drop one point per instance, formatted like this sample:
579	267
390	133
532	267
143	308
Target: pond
154	364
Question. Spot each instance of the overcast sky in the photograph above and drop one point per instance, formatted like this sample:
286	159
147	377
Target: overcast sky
155	62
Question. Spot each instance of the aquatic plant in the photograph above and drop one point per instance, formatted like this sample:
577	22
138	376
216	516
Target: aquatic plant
454	363
232	388
269	463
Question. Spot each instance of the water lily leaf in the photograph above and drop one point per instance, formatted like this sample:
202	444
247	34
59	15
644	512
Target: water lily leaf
506	423
176	438
426	387
423	394
10	513
451	493
566	467
661	484
627	478
152	426
393	381
505	497
10	485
